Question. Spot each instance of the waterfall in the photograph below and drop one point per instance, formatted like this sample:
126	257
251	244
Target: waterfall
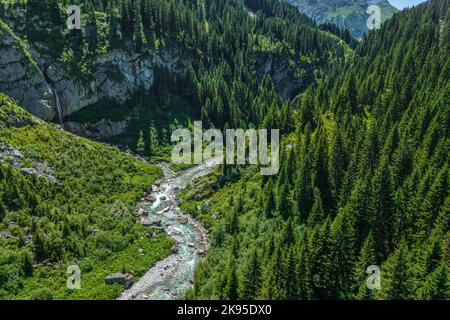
55	96
58	108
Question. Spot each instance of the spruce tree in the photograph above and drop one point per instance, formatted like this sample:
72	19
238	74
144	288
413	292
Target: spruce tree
396	276
138	29
367	258
317	215
269	200
251	278
140	145
114	34
26	263
2	212
436	286
344	246
231	290
91	27
125	21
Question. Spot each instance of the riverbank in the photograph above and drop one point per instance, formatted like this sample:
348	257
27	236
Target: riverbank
170	278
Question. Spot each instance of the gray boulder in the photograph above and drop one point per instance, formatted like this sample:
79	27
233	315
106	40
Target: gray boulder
125	279
184	220
151	222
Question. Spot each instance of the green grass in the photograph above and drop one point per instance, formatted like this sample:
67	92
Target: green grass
94	180
345	11
348	52
92	283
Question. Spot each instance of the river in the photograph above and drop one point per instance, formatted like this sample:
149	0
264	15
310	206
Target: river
170	278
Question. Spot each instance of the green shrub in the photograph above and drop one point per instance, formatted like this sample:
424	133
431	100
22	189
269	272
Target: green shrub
42	294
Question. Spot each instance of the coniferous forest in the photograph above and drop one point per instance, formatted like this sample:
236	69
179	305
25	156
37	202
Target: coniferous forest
363	179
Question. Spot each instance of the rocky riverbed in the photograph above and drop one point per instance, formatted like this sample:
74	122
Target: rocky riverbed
172	277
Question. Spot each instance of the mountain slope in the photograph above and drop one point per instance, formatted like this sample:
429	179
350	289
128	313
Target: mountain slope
61	199
176	34
347	14
364	172
364	182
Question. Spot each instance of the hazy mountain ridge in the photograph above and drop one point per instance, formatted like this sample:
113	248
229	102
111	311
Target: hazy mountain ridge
348	14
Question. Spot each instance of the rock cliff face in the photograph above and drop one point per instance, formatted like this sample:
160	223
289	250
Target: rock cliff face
118	76
287	83
348	14
38	79
100	130
32	77
20	76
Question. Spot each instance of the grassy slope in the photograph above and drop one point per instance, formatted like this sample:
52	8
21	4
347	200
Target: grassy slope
93	177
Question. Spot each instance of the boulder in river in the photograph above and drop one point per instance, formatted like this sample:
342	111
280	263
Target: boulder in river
151	198
184	220
125	279
151	222
164	210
